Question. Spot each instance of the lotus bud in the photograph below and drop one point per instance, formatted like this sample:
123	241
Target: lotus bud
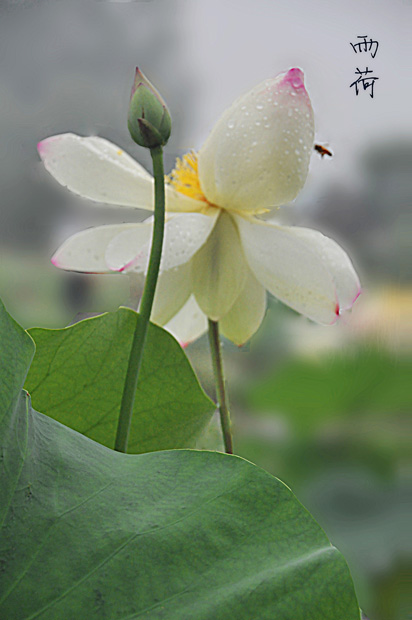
149	120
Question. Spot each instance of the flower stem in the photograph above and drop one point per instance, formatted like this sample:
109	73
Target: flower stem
216	351
139	337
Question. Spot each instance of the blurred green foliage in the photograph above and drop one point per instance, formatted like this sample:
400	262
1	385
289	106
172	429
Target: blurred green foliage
310	392
37	294
337	429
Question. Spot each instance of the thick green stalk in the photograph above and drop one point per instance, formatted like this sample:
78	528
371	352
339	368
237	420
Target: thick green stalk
216	351
139	338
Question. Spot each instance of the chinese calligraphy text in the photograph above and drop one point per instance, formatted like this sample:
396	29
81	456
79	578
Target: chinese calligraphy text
365	80
365	46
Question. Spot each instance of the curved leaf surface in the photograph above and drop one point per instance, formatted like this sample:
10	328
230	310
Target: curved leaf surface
87	532
77	377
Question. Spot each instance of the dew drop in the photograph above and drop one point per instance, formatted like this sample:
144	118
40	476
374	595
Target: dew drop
297	151
231	124
257	123
259	106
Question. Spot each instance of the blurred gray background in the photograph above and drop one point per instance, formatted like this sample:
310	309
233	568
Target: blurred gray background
69	66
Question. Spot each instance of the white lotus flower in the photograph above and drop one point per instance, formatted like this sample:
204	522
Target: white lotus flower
219	257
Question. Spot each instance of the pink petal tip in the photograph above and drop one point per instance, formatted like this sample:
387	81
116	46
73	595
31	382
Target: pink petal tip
337	310
124	267
41	147
356	296
295	78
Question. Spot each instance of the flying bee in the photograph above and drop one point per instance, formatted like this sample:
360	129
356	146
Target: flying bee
322	150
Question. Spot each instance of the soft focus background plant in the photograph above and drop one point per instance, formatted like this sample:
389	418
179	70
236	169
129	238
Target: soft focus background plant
325	409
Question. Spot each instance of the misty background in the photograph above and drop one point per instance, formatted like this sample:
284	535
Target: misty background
69	66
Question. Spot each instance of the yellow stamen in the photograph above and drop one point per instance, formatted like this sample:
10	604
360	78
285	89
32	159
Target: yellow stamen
184	177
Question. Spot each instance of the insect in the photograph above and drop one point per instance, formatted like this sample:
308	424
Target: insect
322	150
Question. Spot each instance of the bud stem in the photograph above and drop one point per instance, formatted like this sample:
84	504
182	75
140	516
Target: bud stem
216	351
139	337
